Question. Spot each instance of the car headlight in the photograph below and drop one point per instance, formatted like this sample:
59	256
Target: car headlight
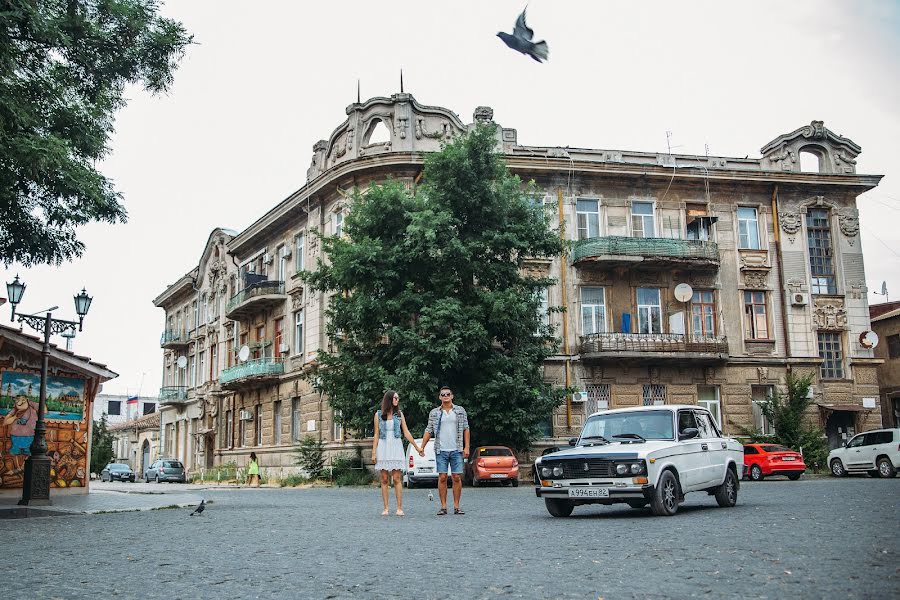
621	469
557	471
546	471
636	468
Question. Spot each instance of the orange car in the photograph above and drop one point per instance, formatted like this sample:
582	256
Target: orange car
492	463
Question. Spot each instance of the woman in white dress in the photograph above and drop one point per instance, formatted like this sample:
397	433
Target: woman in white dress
387	447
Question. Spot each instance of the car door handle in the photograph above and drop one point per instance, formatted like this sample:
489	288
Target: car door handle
704	447
724	446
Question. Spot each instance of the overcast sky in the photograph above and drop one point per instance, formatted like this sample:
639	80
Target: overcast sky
265	80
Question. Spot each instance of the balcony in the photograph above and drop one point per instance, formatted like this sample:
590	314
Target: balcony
653	348
612	251
253	373
172	395
255	298
174	339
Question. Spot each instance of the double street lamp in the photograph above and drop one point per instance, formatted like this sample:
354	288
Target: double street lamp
36	486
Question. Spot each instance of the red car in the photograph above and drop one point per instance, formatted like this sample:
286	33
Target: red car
763	460
492	463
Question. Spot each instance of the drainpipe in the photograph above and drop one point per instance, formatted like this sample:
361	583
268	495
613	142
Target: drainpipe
776	227
565	303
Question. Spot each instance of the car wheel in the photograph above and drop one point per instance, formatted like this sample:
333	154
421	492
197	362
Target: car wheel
837	468
886	469
795	476
664	502
515	483
559	508
637	504
726	494
756	473
157	478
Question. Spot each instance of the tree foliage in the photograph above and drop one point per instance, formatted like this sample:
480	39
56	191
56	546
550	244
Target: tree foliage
64	67
101	446
311	456
428	290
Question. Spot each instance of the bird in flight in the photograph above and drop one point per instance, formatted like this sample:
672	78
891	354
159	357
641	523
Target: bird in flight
520	40
200	508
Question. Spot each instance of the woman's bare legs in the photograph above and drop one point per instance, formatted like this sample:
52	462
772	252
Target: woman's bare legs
398	490
384	490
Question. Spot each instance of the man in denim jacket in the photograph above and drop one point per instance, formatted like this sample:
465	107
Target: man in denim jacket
449	425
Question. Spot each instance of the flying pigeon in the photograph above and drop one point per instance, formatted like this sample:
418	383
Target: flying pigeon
200	508
520	40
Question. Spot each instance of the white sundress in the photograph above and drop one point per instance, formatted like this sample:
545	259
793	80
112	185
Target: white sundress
389	454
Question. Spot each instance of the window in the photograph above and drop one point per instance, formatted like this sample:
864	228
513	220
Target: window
281	253
761	395
699	223
642	221
229	429
298	332
196	310
149	408
202	307
756	318
587	213
276	422
114	408
229	354
211	305
893	342
653	394
543	311
750	450
339	223
705	427
821	263
202	367
857	441
748	228
832	355
300	252
258	424
598	397
708	398
337	427
686	420
649	310
593	311
193	367
279	334
242	424
213	362
295	419
260	333
703	313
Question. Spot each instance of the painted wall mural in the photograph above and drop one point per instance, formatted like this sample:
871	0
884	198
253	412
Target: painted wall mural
66	421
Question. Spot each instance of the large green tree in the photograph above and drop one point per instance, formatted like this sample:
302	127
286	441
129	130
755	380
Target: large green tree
101	446
64	66
429	290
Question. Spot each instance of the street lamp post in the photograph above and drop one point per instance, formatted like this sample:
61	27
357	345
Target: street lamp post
36	486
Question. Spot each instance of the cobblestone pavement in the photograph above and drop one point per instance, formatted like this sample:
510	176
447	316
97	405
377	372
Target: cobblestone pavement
817	538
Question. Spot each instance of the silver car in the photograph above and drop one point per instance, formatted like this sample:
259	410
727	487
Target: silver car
166	469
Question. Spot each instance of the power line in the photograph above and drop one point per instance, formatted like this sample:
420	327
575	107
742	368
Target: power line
883	243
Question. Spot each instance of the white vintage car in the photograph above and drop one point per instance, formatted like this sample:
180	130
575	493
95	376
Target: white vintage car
638	456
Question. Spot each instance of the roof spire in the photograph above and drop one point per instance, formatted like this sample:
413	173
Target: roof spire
401	81
358	99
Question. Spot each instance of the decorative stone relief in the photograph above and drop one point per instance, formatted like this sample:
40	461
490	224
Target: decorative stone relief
796	285
784	158
402	126
701	280
844	163
653	374
296	298
848	221
646	277
754	259
483	114
790	223
709	374
830	313
590	276
857	290
444	133
756	279
762	374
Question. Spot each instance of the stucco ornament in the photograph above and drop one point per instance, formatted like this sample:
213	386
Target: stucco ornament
849	224
790	223
830	316
756	279
785	158
762	374
484	114
815	130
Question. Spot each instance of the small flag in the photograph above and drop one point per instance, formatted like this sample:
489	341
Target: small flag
132	399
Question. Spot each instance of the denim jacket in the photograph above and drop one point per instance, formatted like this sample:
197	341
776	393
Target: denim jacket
382	430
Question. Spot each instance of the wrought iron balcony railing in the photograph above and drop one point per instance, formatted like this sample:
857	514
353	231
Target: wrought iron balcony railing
172	394
172	337
656	343
614	249
252	291
256	368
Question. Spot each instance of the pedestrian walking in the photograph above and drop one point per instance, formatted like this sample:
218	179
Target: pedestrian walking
449	424
253	471
387	448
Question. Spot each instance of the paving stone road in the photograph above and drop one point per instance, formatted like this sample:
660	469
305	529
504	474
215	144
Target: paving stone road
816	538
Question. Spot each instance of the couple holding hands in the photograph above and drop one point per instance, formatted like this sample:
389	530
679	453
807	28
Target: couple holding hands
448	424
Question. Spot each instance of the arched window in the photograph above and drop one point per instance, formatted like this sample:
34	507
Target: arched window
821	251
809	162
378	133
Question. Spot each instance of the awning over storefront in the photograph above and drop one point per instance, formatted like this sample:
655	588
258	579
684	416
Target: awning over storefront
842	407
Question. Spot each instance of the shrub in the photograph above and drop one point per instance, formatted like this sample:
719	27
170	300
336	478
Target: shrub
311	456
293	480
347	469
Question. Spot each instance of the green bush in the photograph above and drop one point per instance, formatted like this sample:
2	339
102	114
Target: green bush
224	472
347	469
311	456
293	480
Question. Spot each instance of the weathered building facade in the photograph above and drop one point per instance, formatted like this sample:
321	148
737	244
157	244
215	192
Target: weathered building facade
691	279
886	324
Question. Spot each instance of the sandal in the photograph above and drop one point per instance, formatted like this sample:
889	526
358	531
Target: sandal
458	511
385	512
442	512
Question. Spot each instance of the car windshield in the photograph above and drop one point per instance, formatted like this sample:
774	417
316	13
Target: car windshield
774	448
494	452
172	464
649	424
118	467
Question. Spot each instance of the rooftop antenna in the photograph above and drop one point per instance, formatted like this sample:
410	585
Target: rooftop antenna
669	142
883	292
358	98
401	81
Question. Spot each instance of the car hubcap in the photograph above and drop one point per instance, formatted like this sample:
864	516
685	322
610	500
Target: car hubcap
836	468
755	473
729	488
883	467
669	495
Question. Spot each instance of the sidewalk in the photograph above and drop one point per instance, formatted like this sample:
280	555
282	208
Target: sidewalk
98	501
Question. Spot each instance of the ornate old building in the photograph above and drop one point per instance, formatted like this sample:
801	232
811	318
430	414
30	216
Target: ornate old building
690	279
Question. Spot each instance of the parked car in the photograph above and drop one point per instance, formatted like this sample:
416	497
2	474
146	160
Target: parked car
492	463
117	472
166	469
420	469
874	452
638	456
764	460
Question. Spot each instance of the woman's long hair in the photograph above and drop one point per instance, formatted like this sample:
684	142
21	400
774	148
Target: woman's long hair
387	404
253	456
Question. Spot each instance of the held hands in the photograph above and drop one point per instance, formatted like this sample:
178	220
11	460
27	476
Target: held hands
421	451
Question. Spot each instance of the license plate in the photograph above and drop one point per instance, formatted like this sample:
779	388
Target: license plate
498	476
788	458
425	470
588	493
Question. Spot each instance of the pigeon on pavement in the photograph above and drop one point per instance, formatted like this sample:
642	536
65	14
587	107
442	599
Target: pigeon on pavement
520	40
200	508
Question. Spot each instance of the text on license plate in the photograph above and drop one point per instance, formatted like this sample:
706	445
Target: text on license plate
498	476
599	492
788	458
425	469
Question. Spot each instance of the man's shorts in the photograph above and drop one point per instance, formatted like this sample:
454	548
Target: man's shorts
21	444
452	458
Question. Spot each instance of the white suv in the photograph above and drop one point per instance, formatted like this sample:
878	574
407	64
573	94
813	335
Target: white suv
638	456
874	452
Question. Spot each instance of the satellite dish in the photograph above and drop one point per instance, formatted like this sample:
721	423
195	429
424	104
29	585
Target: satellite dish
868	339
244	353
683	292
181	362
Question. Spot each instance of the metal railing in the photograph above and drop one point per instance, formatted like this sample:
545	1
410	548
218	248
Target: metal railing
613	245
173	393
170	336
262	288
596	343
252	368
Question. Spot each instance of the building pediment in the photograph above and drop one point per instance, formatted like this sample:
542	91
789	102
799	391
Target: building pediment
836	154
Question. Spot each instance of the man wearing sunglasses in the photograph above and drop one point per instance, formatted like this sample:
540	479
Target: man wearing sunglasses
449	425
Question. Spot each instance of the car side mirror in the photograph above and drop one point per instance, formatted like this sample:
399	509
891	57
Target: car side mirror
688	433
573	441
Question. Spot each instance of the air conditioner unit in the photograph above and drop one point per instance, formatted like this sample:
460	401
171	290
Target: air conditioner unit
284	348
267	258
799	299
580	397
246	415
286	253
